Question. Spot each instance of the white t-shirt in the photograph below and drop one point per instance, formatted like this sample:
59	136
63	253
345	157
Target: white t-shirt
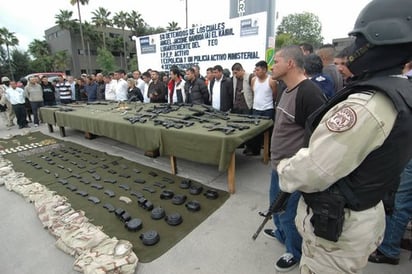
110	90
179	86
216	94
121	90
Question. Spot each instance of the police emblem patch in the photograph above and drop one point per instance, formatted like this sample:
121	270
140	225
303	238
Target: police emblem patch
343	120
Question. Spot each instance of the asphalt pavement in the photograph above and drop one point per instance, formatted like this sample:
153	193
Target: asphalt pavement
221	244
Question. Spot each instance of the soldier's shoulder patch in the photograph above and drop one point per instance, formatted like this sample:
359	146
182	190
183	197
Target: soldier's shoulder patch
342	120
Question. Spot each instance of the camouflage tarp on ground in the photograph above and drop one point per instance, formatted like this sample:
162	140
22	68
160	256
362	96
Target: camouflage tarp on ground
69	168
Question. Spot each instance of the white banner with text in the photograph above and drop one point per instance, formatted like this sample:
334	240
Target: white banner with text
241	39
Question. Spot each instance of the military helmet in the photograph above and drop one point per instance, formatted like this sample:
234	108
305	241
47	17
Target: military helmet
384	22
383	43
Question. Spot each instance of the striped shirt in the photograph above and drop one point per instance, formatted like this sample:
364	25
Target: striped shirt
64	89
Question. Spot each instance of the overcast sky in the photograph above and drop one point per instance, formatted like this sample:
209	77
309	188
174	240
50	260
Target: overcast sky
29	19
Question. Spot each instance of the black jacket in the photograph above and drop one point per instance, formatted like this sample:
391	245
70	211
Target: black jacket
196	92
48	93
134	95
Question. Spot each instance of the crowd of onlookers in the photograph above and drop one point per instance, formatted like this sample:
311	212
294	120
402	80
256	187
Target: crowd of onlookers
250	91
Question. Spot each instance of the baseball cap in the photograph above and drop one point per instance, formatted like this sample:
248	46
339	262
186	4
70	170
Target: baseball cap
5	79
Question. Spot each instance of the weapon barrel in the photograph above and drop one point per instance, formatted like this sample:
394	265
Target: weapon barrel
278	205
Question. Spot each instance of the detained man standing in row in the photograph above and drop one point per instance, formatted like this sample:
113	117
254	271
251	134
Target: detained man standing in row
34	92
299	100
221	90
17	97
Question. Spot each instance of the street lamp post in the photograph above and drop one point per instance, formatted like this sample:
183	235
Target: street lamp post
135	39
186	13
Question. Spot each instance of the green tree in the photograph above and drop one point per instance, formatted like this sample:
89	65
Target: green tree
115	45
82	2
152	30
105	60
42	56
172	26
90	37
136	23
64	20
60	60
285	39
20	61
39	48
302	27
10	40
133	62
3	61
120	20
101	18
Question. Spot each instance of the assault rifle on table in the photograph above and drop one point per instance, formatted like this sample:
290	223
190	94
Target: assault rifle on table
180	121
167	124
141	118
277	206
199	119
163	108
226	130
135	119
251	116
239	127
215	113
246	121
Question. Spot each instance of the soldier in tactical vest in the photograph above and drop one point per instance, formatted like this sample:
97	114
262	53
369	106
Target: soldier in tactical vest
358	145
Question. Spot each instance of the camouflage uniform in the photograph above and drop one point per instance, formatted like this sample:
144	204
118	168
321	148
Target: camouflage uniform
69	221
78	241
315	168
51	208
14	181
110	256
5	170
30	191
11	175
10	115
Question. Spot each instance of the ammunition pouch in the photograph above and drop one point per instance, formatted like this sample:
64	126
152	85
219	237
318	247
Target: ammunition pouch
328	213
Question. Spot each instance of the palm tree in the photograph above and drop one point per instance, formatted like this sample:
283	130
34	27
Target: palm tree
41	52
82	2
64	20
120	20
39	49
101	20
90	35
136	23
60	60
115	44
173	26
10	40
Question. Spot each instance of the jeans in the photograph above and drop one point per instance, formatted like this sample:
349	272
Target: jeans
402	213
286	231
35	106
268	113
20	111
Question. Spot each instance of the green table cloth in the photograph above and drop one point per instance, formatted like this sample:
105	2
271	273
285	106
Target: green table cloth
195	143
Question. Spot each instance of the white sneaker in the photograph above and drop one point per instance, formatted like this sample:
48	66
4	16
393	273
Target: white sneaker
36	125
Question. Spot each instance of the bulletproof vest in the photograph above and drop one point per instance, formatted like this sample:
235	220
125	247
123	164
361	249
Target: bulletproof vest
379	174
